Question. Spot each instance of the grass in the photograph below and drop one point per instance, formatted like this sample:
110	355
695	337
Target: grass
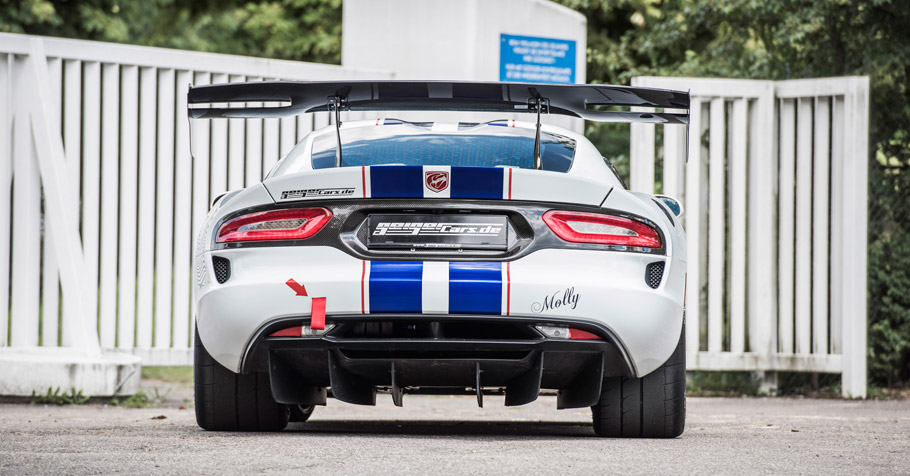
136	400
54	397
720	384
140	399
175	374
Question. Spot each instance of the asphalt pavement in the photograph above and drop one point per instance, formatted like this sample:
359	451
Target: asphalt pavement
450	435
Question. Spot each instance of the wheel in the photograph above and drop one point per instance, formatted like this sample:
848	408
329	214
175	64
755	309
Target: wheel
226	401
301	413
653	406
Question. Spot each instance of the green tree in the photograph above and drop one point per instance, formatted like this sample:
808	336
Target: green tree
304	30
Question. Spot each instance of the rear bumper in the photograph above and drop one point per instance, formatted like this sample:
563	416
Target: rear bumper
611	298
300	367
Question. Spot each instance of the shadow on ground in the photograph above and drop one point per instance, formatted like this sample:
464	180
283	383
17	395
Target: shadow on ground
421	428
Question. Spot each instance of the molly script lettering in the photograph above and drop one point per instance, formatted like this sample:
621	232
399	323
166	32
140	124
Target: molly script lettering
559	299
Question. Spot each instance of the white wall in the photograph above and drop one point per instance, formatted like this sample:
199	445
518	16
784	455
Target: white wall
452	39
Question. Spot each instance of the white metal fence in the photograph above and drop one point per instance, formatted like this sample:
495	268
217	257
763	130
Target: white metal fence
101	197
775	197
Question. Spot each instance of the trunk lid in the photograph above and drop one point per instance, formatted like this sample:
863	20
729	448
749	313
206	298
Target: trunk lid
440	182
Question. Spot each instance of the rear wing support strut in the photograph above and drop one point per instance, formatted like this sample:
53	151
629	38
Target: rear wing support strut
538	105
335	103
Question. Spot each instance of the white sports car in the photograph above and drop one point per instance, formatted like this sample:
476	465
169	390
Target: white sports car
427	257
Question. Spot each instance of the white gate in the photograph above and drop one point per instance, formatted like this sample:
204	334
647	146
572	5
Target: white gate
102	201
775	198
101	197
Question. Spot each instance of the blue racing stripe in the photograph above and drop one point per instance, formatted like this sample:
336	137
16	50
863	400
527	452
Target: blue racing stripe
396	286
475	288
476	182
397	181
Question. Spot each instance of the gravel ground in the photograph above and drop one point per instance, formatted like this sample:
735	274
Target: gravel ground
450	435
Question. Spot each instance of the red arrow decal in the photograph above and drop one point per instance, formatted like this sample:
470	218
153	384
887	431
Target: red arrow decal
298	288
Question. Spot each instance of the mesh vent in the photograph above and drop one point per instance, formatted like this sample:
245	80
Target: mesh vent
654	273
222	268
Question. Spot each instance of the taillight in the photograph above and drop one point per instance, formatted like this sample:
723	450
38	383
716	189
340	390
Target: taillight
581	227
285	224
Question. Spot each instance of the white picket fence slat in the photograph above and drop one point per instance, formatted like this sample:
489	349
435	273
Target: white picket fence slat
738	205
695	197
6	182
183	238
146	233
786	194
786	226
716	223
72	140
820	235
50	289
26	221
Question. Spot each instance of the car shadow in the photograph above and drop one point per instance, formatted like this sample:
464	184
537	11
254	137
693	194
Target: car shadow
436	428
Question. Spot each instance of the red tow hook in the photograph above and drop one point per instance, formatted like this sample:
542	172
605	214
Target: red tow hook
317	313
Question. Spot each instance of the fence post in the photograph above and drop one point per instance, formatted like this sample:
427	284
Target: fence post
762	312
853	251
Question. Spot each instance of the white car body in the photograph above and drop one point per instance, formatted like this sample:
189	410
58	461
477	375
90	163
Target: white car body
422	257
609	286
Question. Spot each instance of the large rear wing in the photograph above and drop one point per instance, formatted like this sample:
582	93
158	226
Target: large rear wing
288	98
584	101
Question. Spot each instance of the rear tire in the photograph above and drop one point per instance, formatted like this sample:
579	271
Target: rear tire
226	401
653	406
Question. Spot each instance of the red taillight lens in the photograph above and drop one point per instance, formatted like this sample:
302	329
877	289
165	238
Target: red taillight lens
286	224
581	227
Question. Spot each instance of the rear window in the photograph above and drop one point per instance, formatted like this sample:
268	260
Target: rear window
485	145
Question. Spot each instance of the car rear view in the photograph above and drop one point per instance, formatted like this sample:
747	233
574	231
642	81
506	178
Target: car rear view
424	257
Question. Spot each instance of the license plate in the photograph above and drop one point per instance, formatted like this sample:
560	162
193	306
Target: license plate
486	232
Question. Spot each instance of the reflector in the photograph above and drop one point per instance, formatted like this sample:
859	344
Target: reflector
558	332
293	331
580	334
301	331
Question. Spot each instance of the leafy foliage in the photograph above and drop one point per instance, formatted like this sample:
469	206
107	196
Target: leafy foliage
306	30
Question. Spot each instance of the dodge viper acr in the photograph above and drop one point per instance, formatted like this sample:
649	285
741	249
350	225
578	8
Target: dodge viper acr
428	257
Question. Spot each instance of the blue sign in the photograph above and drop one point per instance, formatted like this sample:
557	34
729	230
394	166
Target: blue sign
536	60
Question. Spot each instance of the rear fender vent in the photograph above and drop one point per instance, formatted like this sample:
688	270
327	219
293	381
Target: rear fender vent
222	268
654	273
